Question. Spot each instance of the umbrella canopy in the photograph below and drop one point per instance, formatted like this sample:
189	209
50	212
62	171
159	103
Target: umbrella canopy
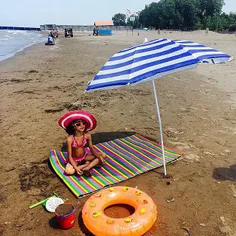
151	60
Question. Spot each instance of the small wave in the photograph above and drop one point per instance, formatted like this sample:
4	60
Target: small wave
13	42
4	54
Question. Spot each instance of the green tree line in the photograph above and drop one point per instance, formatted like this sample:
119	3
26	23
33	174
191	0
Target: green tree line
182	15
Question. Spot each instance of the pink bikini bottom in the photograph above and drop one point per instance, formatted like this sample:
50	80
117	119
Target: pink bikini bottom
81	160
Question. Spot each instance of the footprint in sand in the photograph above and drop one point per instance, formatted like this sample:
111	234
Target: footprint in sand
225	228
212	81
35	177
233	188
54	47
169	94
185	147
173	133
179	145
232	129
205	91
176	78
191	157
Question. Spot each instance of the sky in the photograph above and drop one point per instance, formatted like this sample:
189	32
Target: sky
34	13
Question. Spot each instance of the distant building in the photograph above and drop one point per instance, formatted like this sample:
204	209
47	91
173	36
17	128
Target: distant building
104	27
48	27
63	27
103	23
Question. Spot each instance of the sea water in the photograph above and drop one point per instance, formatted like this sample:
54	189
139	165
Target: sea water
13	41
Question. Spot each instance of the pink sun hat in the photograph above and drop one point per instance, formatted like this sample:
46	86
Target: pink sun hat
65	120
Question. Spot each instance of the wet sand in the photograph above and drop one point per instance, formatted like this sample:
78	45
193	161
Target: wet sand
198	114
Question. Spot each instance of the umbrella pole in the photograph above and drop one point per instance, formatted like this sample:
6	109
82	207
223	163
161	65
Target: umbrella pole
160	126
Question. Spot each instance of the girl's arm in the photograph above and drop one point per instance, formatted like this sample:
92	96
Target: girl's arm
90	144
69	151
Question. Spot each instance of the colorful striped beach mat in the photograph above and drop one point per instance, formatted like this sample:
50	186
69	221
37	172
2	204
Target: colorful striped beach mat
126	158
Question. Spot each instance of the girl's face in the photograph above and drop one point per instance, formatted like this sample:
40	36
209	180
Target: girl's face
79	125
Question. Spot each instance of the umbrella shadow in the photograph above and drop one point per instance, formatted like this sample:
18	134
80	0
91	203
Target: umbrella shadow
82	226
108	136
222	173
104	137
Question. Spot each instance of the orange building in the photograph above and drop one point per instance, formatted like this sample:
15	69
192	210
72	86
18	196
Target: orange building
104	27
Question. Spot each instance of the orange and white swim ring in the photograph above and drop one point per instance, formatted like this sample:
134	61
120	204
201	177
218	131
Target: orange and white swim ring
138	223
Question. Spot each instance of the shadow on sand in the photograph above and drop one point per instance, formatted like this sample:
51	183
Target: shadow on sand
222	173
104	137
82	226
53	223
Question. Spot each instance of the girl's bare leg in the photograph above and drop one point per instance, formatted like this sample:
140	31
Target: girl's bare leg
104	156
93	163
80	167
84	165
69	169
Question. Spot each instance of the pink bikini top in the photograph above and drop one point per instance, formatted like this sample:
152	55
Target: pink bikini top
75	143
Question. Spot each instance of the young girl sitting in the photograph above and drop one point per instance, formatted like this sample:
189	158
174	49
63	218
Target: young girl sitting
80	161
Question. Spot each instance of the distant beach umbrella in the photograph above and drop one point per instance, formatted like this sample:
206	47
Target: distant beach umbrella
152	60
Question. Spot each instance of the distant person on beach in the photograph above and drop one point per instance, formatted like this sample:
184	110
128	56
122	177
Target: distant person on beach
51	33
80	160
51	40
54	33
95	32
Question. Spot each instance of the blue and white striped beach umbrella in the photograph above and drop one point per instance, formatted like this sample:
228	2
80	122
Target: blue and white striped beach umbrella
152	60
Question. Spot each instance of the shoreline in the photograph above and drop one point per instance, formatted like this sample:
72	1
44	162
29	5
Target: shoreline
18	51
222	83
197	118
5	57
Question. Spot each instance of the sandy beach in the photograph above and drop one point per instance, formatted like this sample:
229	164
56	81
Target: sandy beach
198	110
